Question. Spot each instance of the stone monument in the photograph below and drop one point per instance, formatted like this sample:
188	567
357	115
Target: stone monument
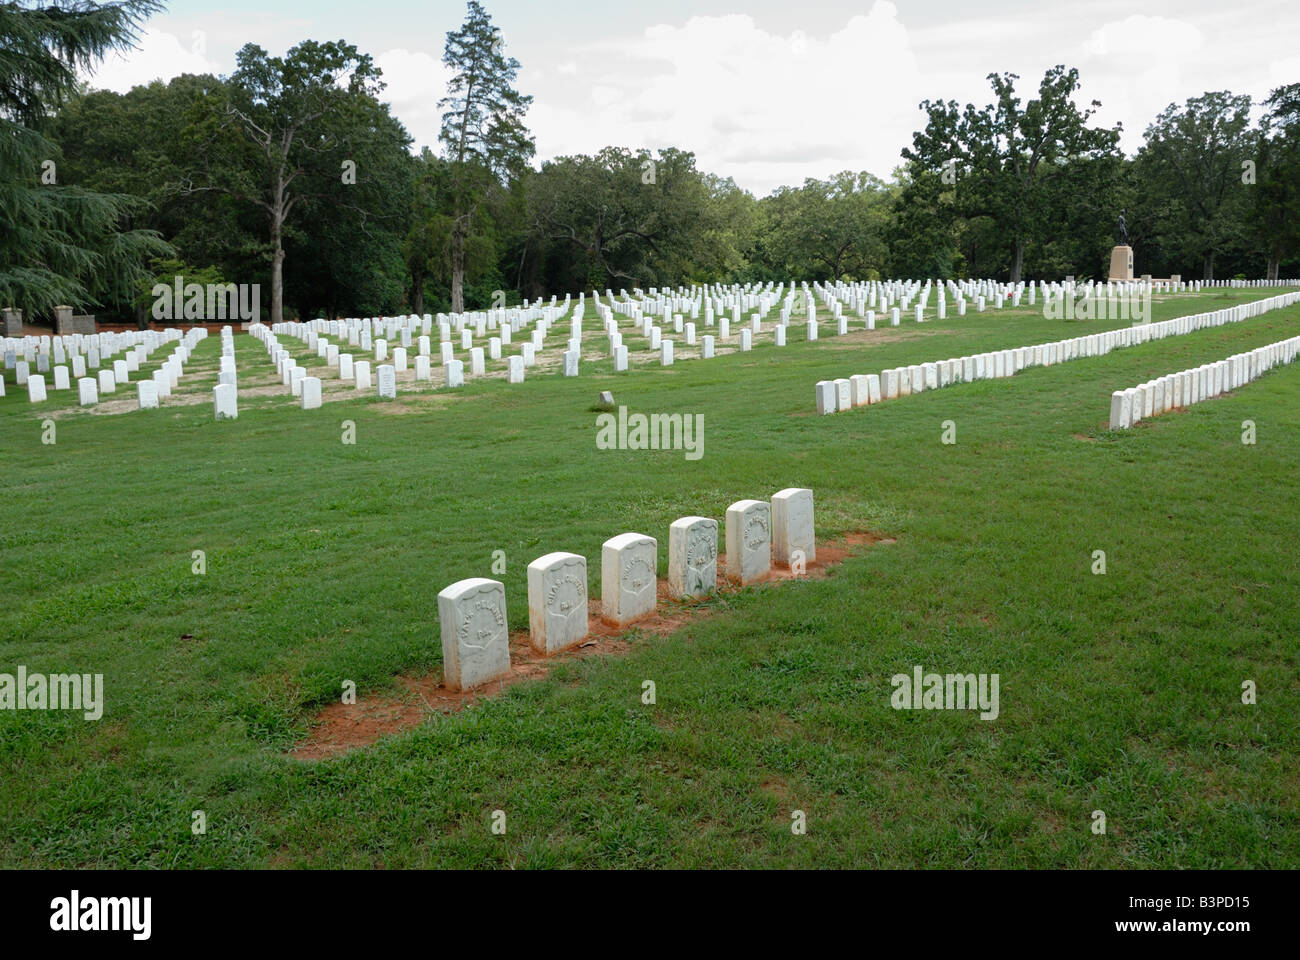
1121	257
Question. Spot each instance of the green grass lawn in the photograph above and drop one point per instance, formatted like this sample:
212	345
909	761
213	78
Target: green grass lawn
1119	693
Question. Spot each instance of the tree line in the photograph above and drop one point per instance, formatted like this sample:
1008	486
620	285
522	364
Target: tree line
292	173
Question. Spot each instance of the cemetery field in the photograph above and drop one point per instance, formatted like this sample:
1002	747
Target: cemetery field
1119	692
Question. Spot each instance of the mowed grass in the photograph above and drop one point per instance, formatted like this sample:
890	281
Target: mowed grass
1119	693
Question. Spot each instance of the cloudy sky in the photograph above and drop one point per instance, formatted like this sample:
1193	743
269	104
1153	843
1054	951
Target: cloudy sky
766	91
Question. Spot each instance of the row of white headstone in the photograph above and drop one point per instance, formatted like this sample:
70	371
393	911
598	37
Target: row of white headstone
1191	386
314	336
225	395
904	381
863	296
472	613
81	352
639	308
384	378
89	389
88	351
714	300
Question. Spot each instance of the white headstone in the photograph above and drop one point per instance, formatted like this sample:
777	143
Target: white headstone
826	397
629	565
792	526
311	399
147	394
749	540
225	406
557	601
692	556
873	388
475	633
843	394
87	391
1121	410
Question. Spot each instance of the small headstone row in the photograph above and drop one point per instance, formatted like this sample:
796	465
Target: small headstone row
225	395
1191	386
75	356
472	613
834	396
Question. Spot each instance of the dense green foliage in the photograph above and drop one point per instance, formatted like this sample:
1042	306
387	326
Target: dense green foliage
61	240
242	176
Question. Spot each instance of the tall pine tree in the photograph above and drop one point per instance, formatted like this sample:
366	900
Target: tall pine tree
483	131
61	244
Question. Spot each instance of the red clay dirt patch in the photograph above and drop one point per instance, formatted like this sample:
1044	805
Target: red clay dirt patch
340	727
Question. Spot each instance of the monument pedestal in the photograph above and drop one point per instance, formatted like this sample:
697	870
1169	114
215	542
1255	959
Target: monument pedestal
65	322
1121	264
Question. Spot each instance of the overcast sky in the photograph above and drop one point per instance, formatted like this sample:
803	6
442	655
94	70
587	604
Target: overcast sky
766	91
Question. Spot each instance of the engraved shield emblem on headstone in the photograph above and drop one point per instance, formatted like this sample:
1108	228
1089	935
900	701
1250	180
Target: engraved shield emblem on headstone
701	554
639	576
483	624
566	596
756	535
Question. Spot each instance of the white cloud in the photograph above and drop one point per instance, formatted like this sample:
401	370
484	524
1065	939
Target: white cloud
1143	39
769	107
1136	67
415	83
1283	72
604	96
160	55
762	107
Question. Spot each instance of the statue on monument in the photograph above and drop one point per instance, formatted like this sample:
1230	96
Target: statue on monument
1121	256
